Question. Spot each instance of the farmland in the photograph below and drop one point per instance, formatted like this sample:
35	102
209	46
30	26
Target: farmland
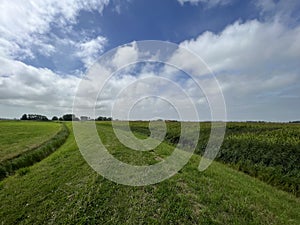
267	151
63	189
25	143
19	137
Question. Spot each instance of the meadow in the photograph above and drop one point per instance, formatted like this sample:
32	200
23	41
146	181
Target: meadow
63	189
18	137
25	143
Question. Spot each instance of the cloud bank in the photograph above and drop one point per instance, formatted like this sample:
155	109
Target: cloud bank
256	61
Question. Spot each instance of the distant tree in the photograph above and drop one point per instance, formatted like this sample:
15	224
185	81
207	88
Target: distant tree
34	117
24	117
100	118
296	121
37	117
70	117
54	118
103	118
60	119
44	118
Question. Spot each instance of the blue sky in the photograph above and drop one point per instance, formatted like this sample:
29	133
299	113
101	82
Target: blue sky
253	47
168	20
122	22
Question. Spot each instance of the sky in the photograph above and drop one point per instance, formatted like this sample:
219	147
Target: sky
251	47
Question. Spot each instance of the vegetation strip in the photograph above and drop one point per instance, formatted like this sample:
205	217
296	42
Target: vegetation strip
28	158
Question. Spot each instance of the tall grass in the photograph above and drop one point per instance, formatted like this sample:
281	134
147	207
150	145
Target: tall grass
267	151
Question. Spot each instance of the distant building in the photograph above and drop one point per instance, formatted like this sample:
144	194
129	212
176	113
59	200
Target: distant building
84	118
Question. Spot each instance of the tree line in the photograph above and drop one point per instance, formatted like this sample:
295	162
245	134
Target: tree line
66	117
35	117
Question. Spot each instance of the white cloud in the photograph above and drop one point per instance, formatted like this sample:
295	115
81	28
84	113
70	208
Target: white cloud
147	96
36	88
26	30
285	11
241	46
251	59
32	19
90	50
251	46
125	54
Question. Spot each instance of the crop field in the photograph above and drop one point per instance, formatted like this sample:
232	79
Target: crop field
63	189
267	151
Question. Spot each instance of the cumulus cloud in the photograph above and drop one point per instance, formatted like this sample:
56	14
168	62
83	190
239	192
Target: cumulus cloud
34	18
90	50
252	46
148	95
250	60
26	29
125	55
144	86
256	63
37	88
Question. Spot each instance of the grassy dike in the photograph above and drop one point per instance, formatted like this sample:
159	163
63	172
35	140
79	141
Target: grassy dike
34	154
63	189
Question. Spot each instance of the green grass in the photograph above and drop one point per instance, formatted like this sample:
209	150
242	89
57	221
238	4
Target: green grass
34	154
63	189
17	137
267	151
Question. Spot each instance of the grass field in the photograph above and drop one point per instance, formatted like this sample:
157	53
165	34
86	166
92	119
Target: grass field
25	143
19	137
63	189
